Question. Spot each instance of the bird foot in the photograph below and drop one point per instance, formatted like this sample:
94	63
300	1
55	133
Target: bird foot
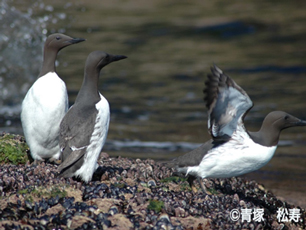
203	187
194	189
191	179
54	161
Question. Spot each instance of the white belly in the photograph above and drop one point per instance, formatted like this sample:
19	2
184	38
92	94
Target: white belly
233	159
96	142
43	108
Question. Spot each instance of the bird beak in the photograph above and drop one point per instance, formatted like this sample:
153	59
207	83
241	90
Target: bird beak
76	40
300	123
118	57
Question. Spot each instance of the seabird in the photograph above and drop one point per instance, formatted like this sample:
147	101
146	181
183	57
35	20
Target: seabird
233	150
46	103
84	128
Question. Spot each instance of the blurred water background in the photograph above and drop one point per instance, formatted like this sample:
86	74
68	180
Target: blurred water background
157	110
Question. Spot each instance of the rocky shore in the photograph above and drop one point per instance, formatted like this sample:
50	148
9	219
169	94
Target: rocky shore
131	194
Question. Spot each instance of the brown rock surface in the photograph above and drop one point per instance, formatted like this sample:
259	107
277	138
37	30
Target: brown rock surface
130	194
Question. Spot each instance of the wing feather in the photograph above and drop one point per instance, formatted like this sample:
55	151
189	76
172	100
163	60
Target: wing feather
227	104
75	133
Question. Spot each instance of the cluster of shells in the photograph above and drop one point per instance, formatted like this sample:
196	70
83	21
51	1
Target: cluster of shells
120	197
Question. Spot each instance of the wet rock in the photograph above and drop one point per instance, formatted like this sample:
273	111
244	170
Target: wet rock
36	196
163	222
113	210
151	183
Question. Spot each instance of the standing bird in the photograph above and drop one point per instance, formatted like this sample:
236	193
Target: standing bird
233	150
46	103
84	128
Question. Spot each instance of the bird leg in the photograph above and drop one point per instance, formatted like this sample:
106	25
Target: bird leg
203	187
190	180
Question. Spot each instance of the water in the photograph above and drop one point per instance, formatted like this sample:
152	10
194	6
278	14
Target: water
22	35
20	56
156	94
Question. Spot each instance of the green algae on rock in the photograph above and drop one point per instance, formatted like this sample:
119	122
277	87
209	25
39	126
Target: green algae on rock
156	205
13	149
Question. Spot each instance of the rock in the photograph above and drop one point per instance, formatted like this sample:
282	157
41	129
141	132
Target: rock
179	212
54	210
103	155
151	183
103	205
120	221
130	182
78	221
136	194
190	222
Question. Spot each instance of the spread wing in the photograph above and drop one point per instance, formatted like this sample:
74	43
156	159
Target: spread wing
227	104
75	133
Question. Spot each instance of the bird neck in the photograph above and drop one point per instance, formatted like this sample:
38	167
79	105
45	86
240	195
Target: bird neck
48	61
89	89
266	136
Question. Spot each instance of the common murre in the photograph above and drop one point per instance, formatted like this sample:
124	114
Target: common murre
46	103
84	128
233	150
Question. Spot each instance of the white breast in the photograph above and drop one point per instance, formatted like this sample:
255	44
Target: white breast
43	108
97	141
238	156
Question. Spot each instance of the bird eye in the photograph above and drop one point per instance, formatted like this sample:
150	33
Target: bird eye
107	57
58	38
286	117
